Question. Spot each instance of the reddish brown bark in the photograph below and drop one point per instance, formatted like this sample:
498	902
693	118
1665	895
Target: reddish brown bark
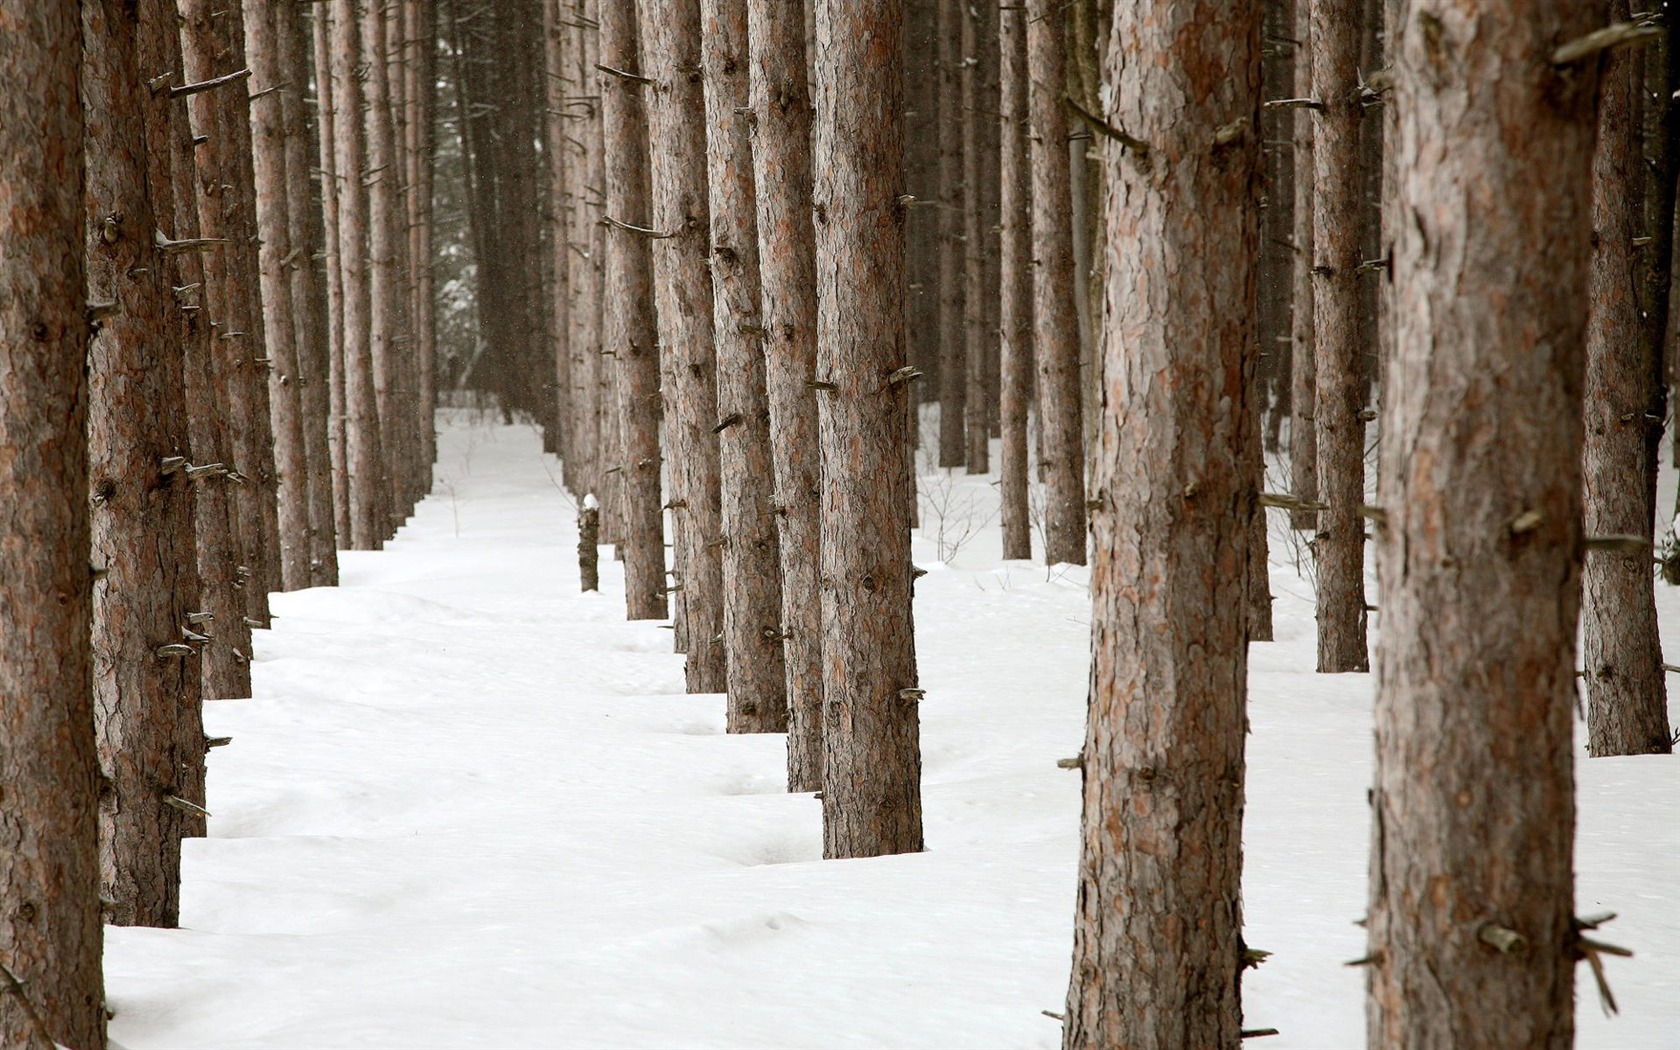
1479	553
1158	927
50	935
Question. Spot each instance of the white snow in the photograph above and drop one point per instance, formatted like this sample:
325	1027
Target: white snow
471	807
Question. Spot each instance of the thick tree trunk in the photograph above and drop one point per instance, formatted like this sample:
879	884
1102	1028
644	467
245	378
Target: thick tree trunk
1055	314
952	197
1303	370
213	45
872	760
1015	293
1471	888
268	143
308	296
781	103
369	493
145	678
627	313
1627	697
1340	397
1157	937
50	934
752	573
338	444
683	290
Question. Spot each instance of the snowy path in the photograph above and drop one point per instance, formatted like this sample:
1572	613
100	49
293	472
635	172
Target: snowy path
470	807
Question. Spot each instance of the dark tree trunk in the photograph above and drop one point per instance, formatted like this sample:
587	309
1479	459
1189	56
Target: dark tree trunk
781	102
683	290
952	197
628	318
1055	314
50	988
385	221
1015	293
1340	397
976	427
338	444
872	761
1303	369
1471	886
1158	930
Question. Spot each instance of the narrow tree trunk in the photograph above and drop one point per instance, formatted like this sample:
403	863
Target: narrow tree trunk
50	987
953	383
369	494
976	427
627	313
1015	293
338	445
558	229
872	760
781	103
1303	370
1158	930
683	291
213	45
268	142
383	175
1627	697
1055	315
1340	397
422	40
752	573
308	296
1471	887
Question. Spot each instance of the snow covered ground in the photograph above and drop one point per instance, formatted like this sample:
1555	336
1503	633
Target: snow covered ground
470	807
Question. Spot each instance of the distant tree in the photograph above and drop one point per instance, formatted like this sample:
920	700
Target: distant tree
952	204
1340	397
872	760
974	118
50	933
1015	293
683	291
1627	695
1472	942
1055	312
1158	945
629	334
781	103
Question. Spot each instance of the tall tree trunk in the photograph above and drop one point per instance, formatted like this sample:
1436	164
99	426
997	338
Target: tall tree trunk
213	45
586	273
369	494
145	678
1055	315
558	231
1471	888
50	934
1015	293
976	428
953	343
423	33
1340	397
383	175
781	103
1158	930
752	572
338	445
872	800
683	291
1303	370
627	308
308	295
268	142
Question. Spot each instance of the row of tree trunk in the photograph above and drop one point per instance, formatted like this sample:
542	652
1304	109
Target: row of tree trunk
249	404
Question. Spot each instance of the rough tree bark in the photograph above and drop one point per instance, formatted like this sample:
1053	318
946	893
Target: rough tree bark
752	572
1055	314
1157	937
976	428
1337	190
368	492
50	934
1015	291
872	761
584	276
558	229
781	104
627	313
683	291
338	444
1627	697
213	45
280	316
952	197
386	220
1471	888
145	677
1303	371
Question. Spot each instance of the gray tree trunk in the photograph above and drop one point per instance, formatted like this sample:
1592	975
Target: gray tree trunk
1015	293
